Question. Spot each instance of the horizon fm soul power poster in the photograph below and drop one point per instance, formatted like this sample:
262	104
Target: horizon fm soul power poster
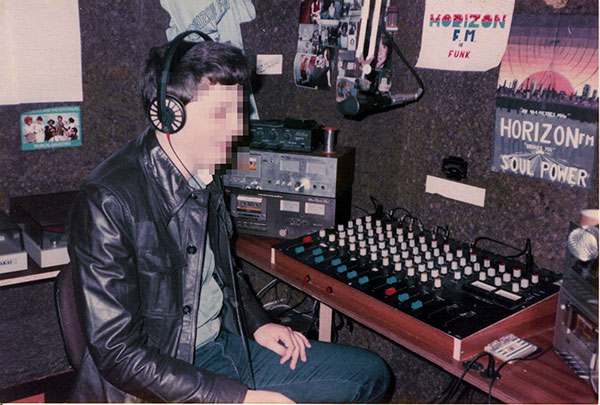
546	124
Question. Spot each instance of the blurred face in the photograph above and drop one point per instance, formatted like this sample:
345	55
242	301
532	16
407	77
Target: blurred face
215	120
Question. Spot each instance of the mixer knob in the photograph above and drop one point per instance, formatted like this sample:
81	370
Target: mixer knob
436	252
459	253
535	279
331	237
372	248
506	277
516	272
362	243
476	266
423	277
427	255
515	287
449	257
457	275
434	243
486	262
352	238
381	245
435	273
405	254
352	247
393	250
360	228
370	233
389	235
497	281
437	282
473	258
421	267
430	264
391	241
444	270
446	247
410	272
453	265
363	251
368	219
340	227
385	261
524	283
462	262
371	240
415	251
378	222
397	266
411	243
379	230
501	267
482	276
424	247
341	243
491	272
422	239
408	263
342	235
350	225
322	233
396	258
440	260
384	252
358	221
411	235
468	270
283	232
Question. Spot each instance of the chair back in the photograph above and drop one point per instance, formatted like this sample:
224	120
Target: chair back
67	316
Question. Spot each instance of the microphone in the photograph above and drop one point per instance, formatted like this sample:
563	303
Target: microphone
359	105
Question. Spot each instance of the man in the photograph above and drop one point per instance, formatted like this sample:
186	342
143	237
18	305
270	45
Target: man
154	281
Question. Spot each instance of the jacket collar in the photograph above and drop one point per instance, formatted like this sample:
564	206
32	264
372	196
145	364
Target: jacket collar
171	188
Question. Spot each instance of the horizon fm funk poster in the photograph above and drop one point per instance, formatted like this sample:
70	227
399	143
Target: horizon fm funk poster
546	124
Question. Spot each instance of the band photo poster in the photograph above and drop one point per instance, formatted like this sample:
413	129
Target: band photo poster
56	127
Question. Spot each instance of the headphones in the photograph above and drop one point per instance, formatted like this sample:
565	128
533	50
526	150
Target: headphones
167	112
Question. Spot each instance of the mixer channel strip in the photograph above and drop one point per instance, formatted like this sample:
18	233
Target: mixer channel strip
442	283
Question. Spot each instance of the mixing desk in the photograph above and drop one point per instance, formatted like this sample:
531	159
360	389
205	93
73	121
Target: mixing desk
453	288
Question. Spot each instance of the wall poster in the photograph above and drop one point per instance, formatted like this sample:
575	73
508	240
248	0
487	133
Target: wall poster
546	123
49	128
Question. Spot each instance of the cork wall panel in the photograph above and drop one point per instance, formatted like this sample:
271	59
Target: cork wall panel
396	150
115	37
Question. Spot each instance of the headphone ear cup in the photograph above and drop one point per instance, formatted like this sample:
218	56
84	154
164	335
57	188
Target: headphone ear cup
172	117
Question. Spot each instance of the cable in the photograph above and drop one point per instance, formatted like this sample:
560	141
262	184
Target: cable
533	356
453	387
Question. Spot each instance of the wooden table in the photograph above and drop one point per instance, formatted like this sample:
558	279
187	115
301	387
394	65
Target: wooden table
545	380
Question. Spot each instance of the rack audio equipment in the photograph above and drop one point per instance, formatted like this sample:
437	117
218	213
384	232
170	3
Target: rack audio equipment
440	290
314	174
284	215
289	134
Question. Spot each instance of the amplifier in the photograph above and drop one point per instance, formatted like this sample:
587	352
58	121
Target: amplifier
282	215
314	173
289	134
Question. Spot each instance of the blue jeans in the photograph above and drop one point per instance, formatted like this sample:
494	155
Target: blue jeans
333	373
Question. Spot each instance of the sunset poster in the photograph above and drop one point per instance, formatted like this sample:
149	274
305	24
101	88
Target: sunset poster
546	124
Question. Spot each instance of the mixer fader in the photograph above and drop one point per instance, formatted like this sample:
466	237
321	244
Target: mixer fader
447	284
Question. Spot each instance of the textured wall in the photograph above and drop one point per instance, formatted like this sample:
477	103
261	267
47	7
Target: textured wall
398	149
395	150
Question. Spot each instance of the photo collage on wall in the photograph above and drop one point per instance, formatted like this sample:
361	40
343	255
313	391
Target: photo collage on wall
327	42
326	27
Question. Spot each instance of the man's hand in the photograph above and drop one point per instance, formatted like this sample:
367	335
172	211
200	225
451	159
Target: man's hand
266	397
293	344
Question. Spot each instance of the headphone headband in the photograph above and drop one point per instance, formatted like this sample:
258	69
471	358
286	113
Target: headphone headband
165	115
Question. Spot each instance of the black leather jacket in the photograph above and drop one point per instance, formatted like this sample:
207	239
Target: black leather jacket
136	240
